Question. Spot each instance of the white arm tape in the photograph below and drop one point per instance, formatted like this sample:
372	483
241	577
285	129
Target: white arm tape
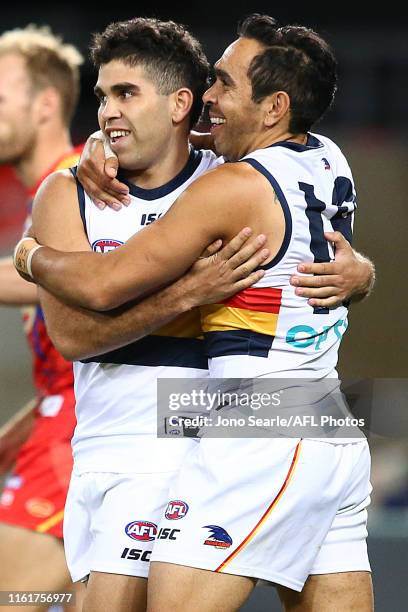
99	135
23	239
30	257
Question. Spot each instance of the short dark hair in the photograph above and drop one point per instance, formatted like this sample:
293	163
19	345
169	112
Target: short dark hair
171	56
296	60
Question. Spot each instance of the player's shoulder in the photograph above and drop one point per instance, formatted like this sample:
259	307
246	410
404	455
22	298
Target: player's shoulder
230	179
332	151
58	180
58	187
231	171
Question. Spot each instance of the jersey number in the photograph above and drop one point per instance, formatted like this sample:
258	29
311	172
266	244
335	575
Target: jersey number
149	218
341	221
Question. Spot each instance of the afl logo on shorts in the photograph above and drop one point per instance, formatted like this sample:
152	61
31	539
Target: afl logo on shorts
104	245
176	510
143	531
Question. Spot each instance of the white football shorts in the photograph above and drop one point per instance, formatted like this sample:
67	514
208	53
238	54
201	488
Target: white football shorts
273	509
111	521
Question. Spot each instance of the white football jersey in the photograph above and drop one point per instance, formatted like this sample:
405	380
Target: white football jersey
116	392
268	330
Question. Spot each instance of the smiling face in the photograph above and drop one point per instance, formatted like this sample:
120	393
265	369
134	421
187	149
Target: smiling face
135	117
236	120
18	118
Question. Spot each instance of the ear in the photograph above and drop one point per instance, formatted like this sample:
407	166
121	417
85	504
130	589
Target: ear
181	102
277	106
47	104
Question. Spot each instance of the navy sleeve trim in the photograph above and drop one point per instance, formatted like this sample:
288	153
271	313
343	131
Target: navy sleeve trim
285	208
81	197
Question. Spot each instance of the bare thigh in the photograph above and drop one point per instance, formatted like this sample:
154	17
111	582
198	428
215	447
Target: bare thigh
178	588
115	593
31	561
79	591
342	592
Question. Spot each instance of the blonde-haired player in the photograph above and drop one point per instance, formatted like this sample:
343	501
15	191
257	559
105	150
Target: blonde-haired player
39	89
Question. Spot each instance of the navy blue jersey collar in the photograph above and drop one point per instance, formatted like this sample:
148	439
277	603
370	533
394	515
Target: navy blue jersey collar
159	192
312	143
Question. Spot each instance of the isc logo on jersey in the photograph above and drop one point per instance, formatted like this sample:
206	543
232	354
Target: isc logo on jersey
105	244
176	510
144	531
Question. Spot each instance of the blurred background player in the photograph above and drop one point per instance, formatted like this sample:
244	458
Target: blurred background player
39	88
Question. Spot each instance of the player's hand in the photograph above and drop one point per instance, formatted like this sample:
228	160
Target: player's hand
202	140
222	272
97	171
350	275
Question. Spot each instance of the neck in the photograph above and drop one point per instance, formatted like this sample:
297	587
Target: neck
171	160
48	148
273	136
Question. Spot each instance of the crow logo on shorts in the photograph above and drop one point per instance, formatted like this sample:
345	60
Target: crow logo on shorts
176	510
144	531
218	538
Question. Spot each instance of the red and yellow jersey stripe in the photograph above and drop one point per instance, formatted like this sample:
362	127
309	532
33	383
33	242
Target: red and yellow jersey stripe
244	324
186	325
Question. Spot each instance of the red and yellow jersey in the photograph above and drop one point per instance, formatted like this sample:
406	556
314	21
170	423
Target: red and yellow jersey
242	324
13	198
51	372
69	159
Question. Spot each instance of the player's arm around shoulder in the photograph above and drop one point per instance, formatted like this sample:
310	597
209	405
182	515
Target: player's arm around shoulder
216	205
209	209
212	207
